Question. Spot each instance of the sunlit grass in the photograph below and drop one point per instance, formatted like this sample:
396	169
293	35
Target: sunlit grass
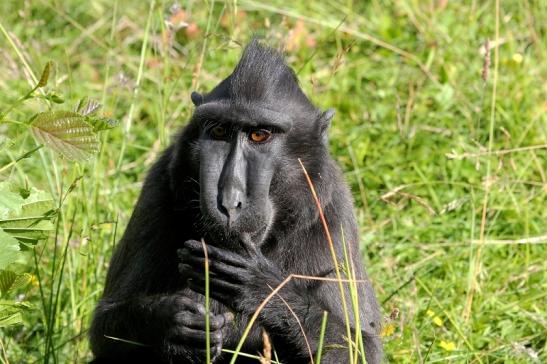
417	132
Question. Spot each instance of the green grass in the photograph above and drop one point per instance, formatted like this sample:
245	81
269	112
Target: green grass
449	174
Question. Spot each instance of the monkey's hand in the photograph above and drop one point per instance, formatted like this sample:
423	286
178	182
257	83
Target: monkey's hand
182	320
241	282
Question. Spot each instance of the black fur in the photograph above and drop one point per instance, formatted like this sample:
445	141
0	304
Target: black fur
252	206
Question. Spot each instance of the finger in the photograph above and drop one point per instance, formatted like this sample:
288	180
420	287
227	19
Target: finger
215	280
216	284
195	248
223	319
235	274
200	308
217	350
248	245
216	295
184	268
182	252
188	304
185	334
228	317
197	321
190	271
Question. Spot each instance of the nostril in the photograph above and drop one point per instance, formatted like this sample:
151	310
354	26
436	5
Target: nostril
231	206
231	203
223	209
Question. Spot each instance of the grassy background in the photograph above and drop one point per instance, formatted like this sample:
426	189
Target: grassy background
453	236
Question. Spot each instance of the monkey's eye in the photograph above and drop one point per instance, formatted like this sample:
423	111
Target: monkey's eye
218	132
260	135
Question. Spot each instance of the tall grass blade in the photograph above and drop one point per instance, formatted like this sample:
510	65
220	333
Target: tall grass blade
321	337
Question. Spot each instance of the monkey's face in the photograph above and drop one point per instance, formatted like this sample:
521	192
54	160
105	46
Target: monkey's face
250	122
237	164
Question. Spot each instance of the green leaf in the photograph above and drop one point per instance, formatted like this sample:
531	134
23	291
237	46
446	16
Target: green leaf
5	142
53	97
87	107
45	75
22	281
32	222
9	249
36	201
100	124
67	133
10	281
9	201
10	317
10	312
7	278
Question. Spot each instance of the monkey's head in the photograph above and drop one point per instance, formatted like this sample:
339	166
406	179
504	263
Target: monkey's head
253	127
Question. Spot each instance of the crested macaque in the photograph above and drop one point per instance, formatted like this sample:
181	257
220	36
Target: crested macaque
232	182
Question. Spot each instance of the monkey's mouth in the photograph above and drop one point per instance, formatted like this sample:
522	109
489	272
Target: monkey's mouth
249	225
253	228
231	237
258	236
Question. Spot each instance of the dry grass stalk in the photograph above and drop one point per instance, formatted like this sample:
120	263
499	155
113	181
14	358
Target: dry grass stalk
266	357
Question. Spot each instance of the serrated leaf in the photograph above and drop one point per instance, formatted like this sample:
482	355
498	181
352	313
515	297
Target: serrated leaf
100	124
32	234
67	133
23	280
87	107
32	222
34	195
45	75
7	278
80	105
9	249
10	312
10	281
9	318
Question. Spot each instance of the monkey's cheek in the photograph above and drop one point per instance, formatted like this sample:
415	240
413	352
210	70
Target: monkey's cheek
257	223
208	203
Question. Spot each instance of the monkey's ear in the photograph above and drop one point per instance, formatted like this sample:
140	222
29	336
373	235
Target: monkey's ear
197	98
324	123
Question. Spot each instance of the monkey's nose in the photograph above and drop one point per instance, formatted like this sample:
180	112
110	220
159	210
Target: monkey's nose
232	216
232	203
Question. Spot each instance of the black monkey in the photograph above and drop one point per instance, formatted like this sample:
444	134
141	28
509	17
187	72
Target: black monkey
233	179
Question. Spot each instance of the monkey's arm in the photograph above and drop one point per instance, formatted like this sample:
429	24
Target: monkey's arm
147	325
243	283
142	314
146	310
